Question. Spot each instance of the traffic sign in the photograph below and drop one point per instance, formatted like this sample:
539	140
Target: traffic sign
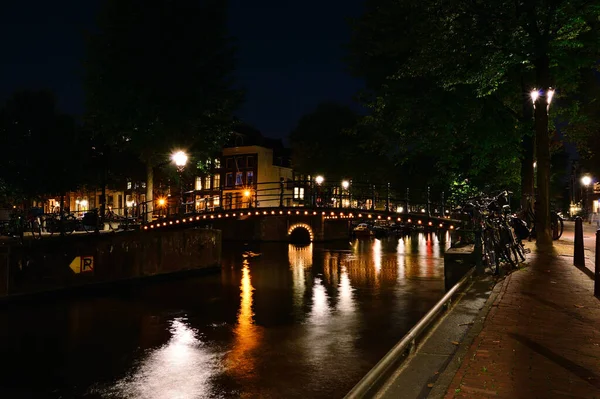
82	264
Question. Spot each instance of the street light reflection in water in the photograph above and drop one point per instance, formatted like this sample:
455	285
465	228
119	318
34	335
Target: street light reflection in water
292	323
182	368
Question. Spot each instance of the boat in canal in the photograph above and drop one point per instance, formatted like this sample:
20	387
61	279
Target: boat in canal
362	230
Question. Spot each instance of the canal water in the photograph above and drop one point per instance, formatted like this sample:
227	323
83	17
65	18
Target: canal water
292	323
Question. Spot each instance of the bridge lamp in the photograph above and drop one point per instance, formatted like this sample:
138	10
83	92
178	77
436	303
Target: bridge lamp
162	202
319	179
247	193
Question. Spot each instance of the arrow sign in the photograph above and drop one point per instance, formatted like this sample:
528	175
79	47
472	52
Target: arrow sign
82	264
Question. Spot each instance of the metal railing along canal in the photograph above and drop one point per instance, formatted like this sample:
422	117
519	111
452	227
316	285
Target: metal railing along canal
374	379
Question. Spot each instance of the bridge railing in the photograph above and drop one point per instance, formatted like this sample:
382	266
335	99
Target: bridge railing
303	193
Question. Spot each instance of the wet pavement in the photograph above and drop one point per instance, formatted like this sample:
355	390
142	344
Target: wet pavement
540	339
293	322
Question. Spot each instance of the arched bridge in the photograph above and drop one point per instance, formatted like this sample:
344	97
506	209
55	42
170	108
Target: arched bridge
279	224
312	207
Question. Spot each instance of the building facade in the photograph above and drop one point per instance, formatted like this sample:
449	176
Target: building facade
252	171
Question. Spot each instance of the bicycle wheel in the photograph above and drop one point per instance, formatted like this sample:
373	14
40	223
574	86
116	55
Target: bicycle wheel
491	257
68	224
556	234
48	225
36	228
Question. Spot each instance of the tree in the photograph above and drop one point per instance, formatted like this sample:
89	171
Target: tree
158	78
331	141
483	53
42	153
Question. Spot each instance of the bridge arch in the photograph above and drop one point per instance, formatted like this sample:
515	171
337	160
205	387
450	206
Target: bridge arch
300	233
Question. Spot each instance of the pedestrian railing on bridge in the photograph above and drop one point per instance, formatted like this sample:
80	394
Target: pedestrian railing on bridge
303	194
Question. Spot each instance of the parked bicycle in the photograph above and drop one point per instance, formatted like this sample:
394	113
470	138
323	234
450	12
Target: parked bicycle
557	224
492	220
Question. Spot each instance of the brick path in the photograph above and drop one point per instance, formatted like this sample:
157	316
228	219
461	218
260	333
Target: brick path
541	338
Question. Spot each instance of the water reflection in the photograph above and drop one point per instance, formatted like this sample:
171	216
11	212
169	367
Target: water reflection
182	368
242	357
301	260
293	323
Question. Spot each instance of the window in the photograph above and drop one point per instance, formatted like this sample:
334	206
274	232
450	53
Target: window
217	163
128	185
229	179
217	181
299	193
250	178
207	183
250	161
241	162
216	201
229	163
198	185
239	178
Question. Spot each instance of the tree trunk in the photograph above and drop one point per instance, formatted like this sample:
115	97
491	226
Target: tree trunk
527	159
149	191
542	141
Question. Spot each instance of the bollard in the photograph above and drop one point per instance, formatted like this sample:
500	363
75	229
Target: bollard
597	268
578	256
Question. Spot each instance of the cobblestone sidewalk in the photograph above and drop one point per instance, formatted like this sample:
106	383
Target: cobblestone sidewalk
541	338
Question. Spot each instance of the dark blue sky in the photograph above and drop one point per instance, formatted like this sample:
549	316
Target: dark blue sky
290	54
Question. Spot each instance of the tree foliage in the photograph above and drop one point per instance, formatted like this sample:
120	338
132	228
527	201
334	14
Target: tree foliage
330	140
42	150
467	67
158	77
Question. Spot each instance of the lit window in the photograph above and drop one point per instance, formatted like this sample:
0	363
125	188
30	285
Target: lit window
207	182
239	178
217	181
249	178
217	163
299	193
128	185
216	200
198	185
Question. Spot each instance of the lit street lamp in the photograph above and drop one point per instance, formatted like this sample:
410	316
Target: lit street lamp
345	186
316	195
541	105
586	181
180	158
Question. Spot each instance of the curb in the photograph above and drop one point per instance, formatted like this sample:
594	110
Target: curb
443	382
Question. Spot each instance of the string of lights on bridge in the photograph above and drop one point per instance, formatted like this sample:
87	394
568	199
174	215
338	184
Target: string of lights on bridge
327	215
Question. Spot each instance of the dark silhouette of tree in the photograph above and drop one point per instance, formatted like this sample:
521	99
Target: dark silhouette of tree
158	78
481	56
331	141
42	153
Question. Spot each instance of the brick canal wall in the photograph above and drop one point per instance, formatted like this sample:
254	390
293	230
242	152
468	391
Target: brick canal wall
56	263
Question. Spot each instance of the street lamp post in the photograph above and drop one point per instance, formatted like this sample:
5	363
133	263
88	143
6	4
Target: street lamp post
586	181
319	181
180	159
541	104
345	187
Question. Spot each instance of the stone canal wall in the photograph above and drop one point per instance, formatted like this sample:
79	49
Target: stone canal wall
77	260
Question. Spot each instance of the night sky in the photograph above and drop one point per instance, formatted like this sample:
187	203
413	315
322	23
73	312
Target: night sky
290	54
